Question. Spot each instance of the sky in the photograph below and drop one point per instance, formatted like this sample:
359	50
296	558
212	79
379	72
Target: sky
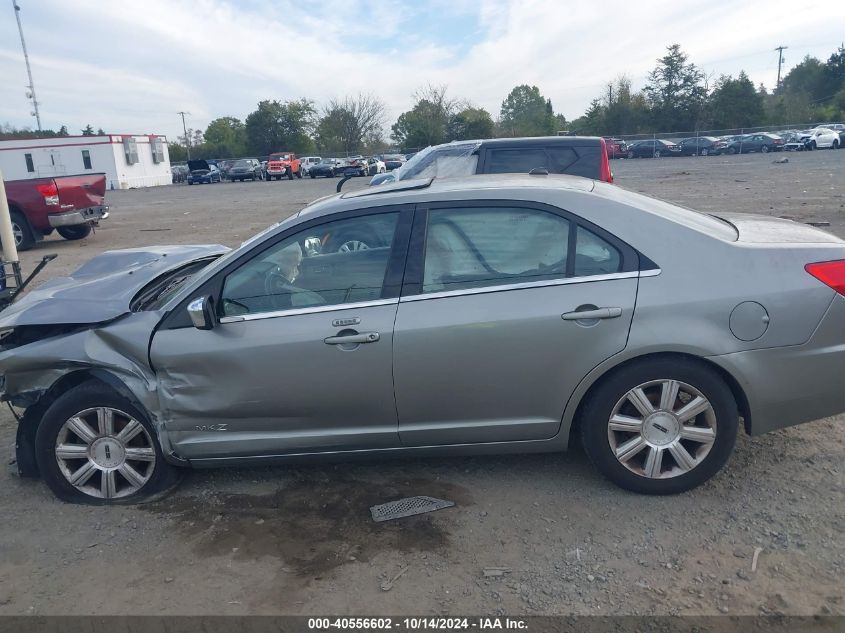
129	67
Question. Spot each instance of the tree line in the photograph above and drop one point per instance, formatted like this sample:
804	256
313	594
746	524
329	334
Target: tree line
677	97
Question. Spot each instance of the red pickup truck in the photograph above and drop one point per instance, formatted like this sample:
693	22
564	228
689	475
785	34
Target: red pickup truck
69	204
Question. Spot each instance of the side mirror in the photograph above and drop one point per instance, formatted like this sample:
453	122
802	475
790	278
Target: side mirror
201	312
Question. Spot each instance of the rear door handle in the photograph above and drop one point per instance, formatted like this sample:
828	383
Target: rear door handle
598	313
353	339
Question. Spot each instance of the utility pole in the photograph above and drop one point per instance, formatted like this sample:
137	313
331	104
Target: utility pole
780	50
30	93
185	130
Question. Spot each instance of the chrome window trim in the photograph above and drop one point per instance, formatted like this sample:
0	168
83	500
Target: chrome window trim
520	286
651	273
315	310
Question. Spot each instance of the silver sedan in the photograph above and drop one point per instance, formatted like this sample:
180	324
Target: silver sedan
468	316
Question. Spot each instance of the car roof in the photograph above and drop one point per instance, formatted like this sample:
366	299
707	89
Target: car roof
420	190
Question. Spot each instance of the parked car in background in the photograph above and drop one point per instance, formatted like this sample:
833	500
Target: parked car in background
179	173
393	161
326	168
245	169
702	146
307	162
375	166
575	155
355	166
203	172
280	164
823	138
793	141
653	148
616	147
224	166
760	142
70	205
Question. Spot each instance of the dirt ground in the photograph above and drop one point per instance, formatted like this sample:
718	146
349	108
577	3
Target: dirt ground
299	540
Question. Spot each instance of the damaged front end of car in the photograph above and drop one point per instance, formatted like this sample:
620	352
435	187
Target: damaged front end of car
95	324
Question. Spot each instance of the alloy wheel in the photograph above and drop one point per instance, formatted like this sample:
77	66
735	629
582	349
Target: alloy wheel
662	429
352	245
105	453
17	231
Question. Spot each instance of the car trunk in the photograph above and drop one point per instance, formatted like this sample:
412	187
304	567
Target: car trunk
764	229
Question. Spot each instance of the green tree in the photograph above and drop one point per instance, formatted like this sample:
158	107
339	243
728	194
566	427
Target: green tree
178	153
470	123
276	126
351	123
675	92
525	112
63	131
427	123
225	136
735	103
88	131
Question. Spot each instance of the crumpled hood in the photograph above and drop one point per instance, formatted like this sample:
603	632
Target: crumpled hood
101	289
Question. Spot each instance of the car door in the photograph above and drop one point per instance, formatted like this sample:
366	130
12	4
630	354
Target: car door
488	343
301	359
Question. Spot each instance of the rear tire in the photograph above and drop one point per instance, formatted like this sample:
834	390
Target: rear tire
648	462
22	231
835	145
765	149
657	153
104	452
76	232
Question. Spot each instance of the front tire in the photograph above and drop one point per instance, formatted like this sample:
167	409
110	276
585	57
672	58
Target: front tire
660	426
94	446
76	232
834	145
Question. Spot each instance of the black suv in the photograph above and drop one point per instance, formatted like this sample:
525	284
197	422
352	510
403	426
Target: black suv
245	169
575	155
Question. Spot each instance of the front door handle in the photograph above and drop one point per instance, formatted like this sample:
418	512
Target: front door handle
586	315
353	339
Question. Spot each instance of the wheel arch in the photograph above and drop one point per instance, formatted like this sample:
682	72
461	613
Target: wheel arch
31	418
575	418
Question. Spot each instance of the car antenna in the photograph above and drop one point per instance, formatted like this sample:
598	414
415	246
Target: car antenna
343	180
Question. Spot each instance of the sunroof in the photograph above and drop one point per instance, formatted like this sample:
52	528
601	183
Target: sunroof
402	185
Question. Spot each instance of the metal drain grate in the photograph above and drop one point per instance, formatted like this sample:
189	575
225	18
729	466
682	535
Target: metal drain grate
408	507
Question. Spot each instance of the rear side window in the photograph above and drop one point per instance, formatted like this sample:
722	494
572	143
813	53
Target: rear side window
30	166
516	161
594	255
86	159
475	247
581	161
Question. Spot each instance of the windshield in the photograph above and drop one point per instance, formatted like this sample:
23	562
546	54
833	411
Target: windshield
241	164
279	156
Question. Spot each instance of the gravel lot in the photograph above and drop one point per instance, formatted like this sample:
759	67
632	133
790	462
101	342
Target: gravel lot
299	540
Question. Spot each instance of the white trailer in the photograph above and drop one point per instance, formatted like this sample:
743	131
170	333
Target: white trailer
128	160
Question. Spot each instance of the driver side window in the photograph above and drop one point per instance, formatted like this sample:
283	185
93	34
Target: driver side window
338	262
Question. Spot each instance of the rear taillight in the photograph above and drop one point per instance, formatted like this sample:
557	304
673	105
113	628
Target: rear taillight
605	174
829	273
50	192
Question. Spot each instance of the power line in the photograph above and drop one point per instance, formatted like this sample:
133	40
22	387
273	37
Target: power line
30	93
